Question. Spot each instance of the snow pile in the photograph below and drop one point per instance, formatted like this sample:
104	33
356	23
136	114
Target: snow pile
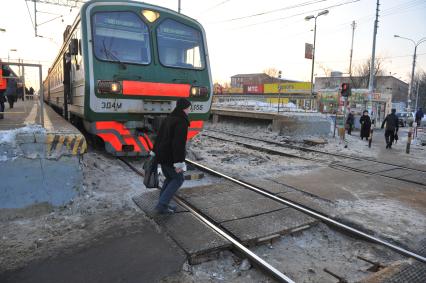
9	136
259	106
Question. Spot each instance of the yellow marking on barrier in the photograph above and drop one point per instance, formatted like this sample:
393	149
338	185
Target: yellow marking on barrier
77	142
49	141
74	144
83	146
60	144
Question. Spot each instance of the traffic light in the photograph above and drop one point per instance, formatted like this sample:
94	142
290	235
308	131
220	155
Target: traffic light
345	90
279	74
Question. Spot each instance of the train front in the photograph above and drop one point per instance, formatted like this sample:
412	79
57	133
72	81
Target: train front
139	59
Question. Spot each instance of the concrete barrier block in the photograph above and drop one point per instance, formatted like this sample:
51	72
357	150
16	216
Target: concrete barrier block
22	138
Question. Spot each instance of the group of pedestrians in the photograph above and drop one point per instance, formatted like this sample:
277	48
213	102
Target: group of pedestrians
365	122
391	121
13	92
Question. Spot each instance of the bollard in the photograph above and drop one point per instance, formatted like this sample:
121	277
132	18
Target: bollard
370	138
407	150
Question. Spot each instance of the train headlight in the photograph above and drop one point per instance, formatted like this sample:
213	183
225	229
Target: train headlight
151	16
199	91
109	87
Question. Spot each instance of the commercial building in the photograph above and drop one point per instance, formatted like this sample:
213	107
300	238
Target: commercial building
238	81
387	85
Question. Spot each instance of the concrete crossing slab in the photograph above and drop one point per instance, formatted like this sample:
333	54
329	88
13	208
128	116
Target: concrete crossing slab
199	242
239	210
319	205
269	185
409	175
368	166
267	226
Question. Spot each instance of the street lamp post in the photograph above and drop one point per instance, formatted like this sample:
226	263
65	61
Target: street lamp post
307	18
410	90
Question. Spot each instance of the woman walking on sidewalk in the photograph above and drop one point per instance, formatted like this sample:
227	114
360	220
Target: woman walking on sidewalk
365	122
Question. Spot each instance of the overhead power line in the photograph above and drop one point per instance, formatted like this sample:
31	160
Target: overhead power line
275	10
67	3
215	6
300	14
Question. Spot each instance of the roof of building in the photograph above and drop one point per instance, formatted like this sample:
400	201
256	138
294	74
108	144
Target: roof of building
264	76
355	77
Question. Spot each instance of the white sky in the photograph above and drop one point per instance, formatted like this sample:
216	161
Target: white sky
253	44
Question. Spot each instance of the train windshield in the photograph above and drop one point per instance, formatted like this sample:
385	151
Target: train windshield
122	37
180	45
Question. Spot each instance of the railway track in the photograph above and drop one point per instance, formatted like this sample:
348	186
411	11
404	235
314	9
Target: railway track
327	161
265	266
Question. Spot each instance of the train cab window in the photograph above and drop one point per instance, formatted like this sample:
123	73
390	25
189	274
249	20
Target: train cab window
122	37
180	45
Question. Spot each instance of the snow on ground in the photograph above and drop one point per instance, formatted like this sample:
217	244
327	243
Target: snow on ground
104	201
9	136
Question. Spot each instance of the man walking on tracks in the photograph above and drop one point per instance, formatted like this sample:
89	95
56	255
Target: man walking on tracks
391	128
170	151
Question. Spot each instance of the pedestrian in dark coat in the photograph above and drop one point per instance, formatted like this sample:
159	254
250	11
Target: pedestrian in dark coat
170	152
11	91
419	116
350	121
392	126
2	101
365	122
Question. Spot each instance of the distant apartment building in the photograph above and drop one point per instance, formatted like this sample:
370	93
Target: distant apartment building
383	84
240	80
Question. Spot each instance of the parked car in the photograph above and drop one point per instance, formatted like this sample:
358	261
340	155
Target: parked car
405	118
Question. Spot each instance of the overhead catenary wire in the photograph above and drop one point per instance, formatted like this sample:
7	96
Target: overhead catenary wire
276	10
214	6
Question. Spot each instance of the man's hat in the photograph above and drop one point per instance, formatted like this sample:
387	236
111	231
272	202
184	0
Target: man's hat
182	103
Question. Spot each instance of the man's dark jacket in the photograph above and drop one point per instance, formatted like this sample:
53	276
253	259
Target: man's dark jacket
170	144
391	122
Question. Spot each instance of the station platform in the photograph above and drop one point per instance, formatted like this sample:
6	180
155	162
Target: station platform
39	159
299	123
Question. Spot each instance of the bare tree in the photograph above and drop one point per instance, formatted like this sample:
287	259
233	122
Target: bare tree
325	69
361	77
272	72
420	80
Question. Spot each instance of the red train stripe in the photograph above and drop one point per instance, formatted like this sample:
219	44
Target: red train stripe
155	89
142	140
112	139
196	124
108	125
191	134
149	141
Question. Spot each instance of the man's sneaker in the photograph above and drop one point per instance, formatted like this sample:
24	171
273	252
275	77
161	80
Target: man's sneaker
162	210
172	206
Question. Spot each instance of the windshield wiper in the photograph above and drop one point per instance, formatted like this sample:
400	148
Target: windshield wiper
109	53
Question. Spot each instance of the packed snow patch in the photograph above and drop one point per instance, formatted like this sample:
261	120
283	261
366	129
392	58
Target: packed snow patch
9	136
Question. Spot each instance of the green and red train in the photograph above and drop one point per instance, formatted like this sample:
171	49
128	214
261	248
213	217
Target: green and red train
130	62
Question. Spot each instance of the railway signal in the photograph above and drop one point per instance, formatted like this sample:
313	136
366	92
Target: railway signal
345	90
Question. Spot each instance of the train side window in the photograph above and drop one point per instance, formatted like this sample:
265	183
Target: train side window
180	45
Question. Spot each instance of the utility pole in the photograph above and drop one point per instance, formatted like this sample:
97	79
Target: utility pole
179	6
353	25
373	54
417	94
